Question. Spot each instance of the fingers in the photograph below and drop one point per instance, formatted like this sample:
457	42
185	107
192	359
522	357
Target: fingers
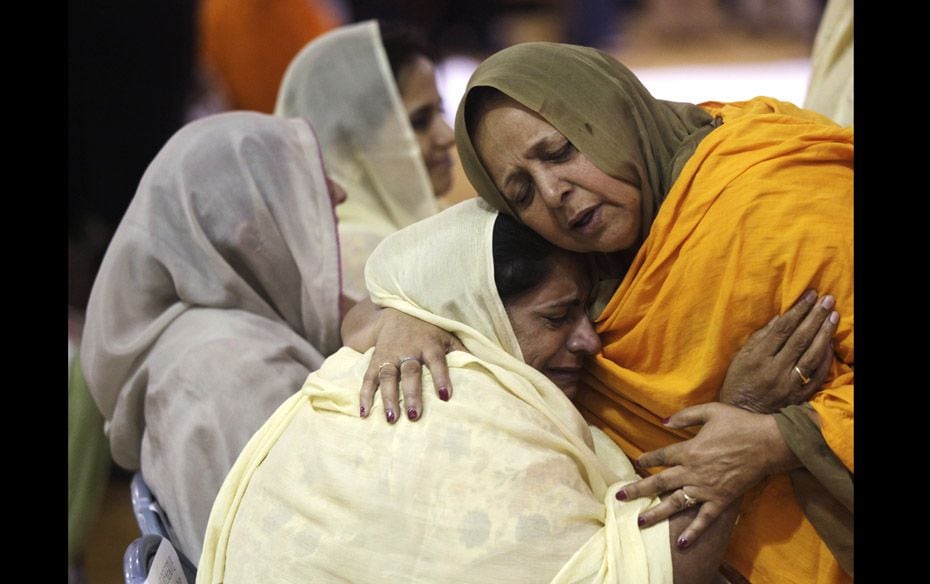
816	361
780	330
436	363
690	416
667	480
369	387
804	334
670	505
708	513
411	387
388	379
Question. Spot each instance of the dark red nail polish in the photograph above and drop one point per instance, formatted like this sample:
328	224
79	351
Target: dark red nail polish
412	414
361	411
637	464
390	416
621	495
444	393
640	521
665	420
682	542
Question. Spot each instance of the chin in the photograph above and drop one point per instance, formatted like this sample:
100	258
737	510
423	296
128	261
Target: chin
569	391
441	184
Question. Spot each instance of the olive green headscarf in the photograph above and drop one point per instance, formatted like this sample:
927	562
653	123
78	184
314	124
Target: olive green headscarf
601	107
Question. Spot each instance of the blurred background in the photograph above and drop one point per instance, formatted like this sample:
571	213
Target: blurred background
139	70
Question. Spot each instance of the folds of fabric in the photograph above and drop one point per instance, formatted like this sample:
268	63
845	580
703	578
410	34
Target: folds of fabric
342	83
249	43
218	294
762	211
503	483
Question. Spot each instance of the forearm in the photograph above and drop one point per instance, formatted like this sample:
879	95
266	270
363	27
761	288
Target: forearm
361	325
700	561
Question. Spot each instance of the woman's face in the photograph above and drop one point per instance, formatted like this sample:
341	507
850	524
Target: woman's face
551	322
417	84
554	189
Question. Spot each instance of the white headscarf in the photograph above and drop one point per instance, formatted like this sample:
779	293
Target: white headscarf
218	294
342	83
503	483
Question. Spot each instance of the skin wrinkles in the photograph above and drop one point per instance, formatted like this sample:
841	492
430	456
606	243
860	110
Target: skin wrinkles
554	188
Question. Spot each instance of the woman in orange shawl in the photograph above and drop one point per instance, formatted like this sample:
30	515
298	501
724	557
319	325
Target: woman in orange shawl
715	217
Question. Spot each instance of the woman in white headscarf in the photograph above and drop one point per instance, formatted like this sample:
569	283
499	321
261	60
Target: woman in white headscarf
377	112
218	294
506	483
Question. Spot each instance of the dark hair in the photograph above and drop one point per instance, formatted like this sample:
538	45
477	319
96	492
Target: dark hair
479	101
403	44
522	259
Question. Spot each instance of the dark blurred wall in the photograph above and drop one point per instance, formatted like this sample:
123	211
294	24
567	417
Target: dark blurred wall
130	71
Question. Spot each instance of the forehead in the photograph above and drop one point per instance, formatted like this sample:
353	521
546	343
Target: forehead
568	279
417	80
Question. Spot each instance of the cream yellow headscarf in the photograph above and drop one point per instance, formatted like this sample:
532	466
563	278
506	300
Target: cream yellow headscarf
503	483
342	83
600	106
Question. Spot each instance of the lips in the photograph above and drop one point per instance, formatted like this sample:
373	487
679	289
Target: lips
440	163
583	217
564	375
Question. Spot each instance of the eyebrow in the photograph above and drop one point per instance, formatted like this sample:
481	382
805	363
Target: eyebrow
564	303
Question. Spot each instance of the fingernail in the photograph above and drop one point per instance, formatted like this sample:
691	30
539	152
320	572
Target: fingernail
361	411
682	542
640	521
444	393
411	414
390	416
636	463
828	302
666	420
621	495
834	317
809	296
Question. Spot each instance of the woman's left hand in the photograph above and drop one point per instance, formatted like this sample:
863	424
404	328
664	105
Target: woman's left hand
732	452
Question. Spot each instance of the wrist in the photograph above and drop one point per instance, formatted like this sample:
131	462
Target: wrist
778	455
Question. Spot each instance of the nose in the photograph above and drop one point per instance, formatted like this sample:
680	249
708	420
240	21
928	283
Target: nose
551	187
583	339
337	194
443	137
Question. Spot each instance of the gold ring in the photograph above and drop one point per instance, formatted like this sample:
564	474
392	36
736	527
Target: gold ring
804	378
409	358
689	500
385	364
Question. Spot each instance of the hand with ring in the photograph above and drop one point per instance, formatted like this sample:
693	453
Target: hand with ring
403	344
785	362
733	451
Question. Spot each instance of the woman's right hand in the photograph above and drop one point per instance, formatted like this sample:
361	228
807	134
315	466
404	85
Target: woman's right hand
786	361
402	345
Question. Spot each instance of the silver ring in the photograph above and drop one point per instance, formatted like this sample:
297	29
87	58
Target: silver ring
385	364
804	378
408	358
689	500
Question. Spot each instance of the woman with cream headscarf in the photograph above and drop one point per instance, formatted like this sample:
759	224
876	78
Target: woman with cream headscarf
506	483
218	294
715	217
378	116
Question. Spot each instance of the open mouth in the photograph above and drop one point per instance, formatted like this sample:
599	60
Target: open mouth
584	219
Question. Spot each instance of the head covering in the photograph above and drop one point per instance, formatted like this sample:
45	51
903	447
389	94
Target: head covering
600	106
218	294
504	482
342	83
248	43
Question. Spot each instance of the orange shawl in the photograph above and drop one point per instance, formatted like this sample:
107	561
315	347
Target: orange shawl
761	211
249	44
